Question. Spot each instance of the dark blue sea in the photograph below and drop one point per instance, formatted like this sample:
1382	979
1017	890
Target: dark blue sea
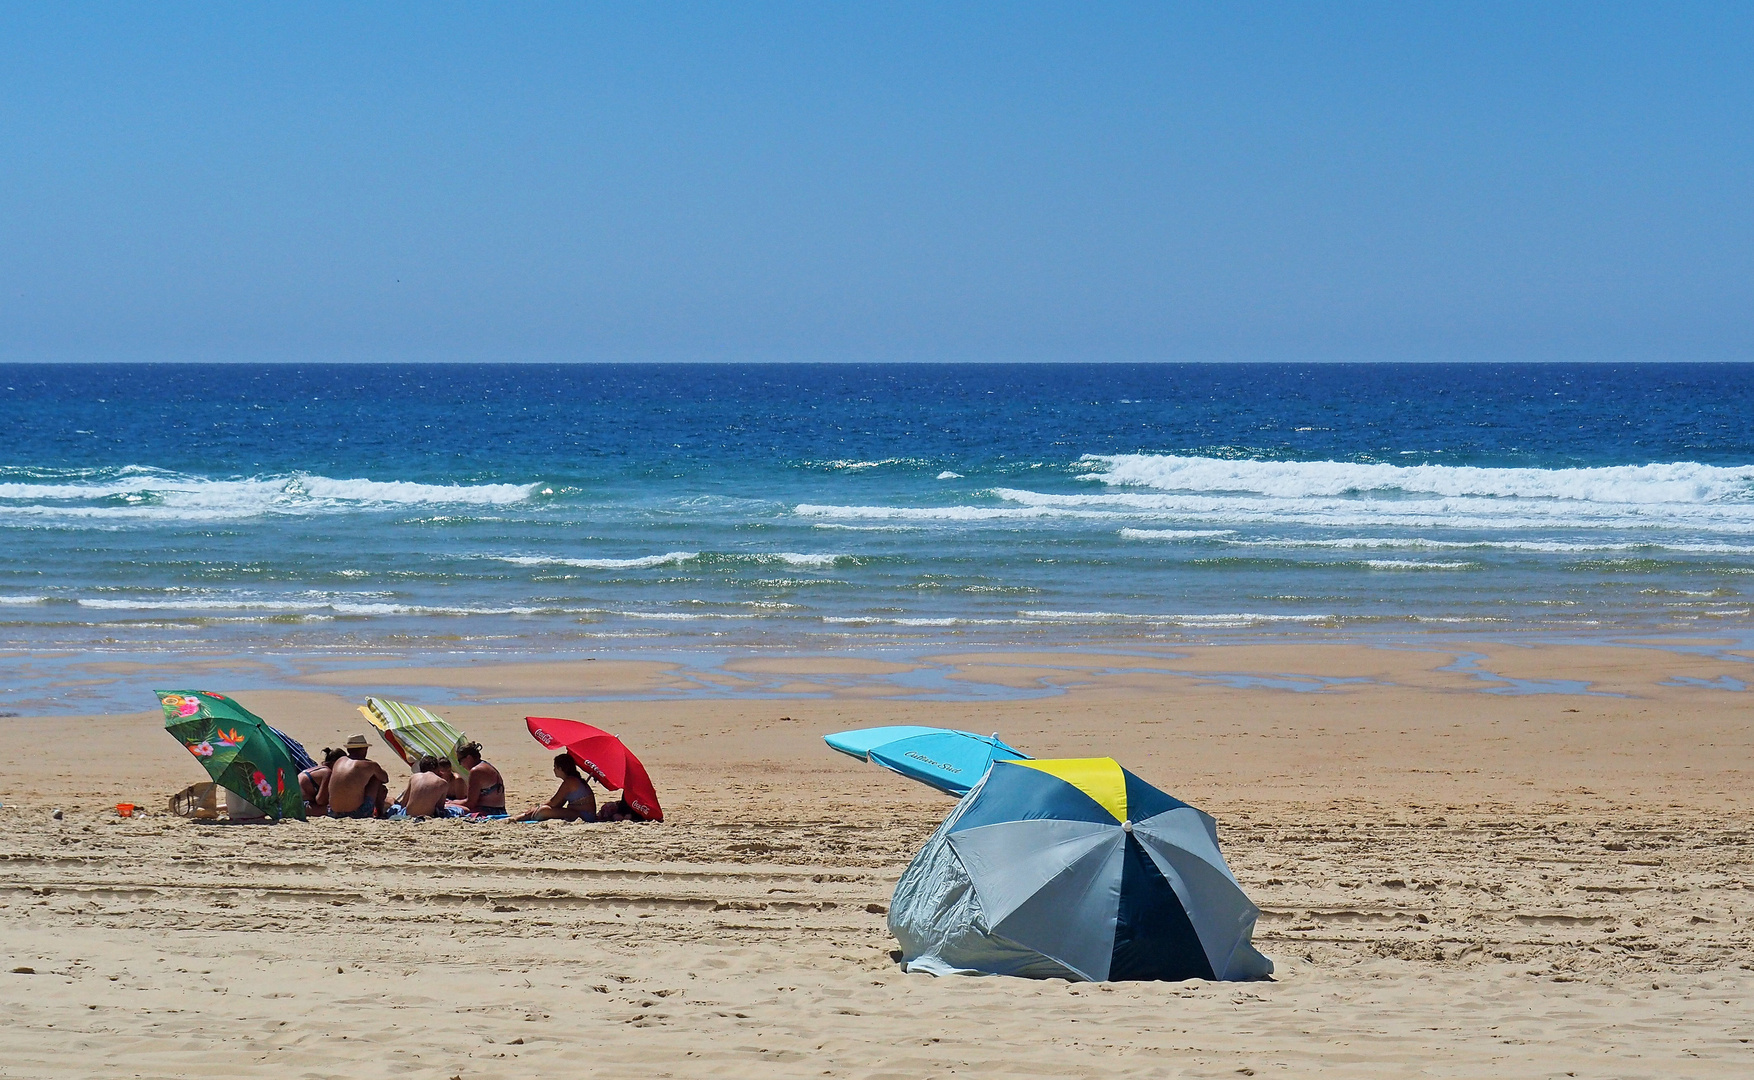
586	508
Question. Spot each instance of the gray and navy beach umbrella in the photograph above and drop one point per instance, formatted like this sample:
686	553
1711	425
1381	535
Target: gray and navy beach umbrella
1074	868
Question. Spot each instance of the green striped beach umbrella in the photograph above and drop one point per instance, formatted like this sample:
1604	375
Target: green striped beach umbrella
412	731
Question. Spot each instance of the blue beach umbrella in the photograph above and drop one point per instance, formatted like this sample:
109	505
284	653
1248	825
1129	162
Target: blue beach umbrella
294	749
951	761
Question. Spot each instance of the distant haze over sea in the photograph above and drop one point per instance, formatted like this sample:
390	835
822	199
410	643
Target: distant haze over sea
544	509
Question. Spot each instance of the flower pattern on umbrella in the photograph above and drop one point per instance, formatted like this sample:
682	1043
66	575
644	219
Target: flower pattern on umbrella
180	706
240	752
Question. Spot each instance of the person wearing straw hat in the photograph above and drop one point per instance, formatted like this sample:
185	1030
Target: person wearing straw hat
357	787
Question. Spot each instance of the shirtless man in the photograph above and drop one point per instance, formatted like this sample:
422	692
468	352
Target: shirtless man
486	793
357	787
425	794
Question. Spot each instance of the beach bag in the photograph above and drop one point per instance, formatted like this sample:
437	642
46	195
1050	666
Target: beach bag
200	801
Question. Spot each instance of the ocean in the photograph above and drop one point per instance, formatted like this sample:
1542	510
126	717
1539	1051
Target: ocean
592	509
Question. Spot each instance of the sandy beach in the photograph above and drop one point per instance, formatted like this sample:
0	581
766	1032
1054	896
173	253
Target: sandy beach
1454	882
1336	415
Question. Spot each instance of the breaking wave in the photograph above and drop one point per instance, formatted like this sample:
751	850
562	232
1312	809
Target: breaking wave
145	494
802	560
1415	564
1678	482
1174	534
640	562
1219	620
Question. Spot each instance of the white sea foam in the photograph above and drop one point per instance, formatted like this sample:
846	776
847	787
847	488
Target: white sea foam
1189	494
948	475
1068	546
1735	518
943	513
1174	534
1677	482
640	562
676	558
680	616
1208	621
1089	616
139	494
1416	543
853	464
427	609
793	558
189	621
939	621
865	528
398	491
147	603
1495	514
312	606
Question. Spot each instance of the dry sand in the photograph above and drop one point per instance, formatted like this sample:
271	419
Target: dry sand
1453	882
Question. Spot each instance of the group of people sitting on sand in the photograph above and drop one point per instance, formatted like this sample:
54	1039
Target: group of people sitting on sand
349	784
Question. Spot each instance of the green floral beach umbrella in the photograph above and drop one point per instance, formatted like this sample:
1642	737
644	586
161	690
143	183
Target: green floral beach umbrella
236	747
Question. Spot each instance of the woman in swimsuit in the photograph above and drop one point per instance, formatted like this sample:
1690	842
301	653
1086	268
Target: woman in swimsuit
486	794
573	802
311	780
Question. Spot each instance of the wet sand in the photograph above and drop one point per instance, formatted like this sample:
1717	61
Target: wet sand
1454	882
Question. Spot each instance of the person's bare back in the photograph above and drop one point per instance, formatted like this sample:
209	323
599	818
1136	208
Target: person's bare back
424	795
356	785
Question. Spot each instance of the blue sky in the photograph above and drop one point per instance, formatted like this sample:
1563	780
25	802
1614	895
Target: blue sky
877	182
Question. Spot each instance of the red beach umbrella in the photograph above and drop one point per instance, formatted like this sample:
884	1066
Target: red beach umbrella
605	757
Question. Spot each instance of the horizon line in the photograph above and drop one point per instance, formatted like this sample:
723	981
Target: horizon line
867	363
